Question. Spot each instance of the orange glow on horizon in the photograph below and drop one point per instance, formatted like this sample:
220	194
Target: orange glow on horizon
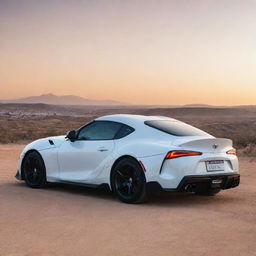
139	52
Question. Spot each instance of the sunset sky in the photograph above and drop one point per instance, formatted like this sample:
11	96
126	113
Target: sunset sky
141	52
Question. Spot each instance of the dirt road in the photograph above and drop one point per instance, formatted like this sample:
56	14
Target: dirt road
66	220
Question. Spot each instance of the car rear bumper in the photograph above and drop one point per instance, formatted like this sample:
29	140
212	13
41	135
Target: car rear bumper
193	182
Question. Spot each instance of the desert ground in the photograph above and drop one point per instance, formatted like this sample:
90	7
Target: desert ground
68	220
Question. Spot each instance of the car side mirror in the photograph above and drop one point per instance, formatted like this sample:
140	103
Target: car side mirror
71	135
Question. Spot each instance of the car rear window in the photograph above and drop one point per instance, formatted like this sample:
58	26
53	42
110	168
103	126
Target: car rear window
175	128
125	130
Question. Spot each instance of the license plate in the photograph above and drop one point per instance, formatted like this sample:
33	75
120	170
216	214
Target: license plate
215	165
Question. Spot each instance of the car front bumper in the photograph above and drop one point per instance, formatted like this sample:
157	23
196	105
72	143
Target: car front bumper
18	175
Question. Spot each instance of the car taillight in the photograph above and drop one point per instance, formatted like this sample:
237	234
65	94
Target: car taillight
180	153
231	152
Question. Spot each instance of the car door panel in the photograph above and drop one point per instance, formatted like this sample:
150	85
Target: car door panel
78	160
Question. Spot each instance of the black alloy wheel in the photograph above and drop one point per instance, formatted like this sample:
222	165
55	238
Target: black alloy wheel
128	181
33	169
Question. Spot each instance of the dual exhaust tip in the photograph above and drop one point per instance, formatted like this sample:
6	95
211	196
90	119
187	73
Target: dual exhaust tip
193	187
190	188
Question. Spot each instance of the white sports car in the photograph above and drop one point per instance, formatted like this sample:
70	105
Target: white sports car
133	156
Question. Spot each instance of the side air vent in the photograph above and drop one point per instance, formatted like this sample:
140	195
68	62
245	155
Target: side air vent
51	142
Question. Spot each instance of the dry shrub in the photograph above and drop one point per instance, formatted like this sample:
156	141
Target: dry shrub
24	130
249	150
28	125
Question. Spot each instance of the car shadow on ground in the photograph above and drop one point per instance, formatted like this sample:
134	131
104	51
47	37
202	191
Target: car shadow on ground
191	199
162	199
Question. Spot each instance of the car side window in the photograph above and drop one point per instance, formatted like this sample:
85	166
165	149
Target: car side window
124	131
99	130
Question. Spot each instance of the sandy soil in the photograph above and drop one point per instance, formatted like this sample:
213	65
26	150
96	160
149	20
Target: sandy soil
66	220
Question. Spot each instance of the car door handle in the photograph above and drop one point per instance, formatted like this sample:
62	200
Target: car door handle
102	149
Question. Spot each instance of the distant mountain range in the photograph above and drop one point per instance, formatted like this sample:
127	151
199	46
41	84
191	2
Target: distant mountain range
52	99
198	106
62	100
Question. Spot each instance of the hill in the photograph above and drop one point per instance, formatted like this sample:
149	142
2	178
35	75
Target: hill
62	100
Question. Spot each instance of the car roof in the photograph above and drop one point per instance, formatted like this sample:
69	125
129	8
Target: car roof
132	120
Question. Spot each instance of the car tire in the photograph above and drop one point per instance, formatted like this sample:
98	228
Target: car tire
33	169
128	181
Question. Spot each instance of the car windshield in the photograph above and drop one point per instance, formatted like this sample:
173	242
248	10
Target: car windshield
175	128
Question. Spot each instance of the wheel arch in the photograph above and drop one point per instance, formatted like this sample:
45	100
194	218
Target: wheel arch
117	161
22	162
